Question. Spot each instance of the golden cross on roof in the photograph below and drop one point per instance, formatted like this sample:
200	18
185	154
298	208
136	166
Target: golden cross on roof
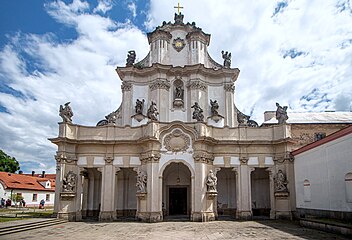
178	7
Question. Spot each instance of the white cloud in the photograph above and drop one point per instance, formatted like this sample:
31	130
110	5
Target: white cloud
133	8
103	6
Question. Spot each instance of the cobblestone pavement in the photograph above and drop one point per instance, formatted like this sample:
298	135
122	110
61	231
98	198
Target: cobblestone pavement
174	230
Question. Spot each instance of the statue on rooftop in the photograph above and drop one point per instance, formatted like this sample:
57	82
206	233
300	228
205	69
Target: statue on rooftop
178	18
198	112
281	113
131	57
153	112
227	59
66	113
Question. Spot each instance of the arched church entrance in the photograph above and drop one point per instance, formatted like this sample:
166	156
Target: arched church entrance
176	191
226	187
260	190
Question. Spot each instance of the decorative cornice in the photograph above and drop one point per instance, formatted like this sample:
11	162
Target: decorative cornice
197	84
126	86
159	84
150	157
244	160
109	159
283	157
63	157
203	157
229	87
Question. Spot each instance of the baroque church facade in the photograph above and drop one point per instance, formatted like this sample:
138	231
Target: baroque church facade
177	145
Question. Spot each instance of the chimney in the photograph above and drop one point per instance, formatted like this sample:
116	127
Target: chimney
33	172
43	174
20	172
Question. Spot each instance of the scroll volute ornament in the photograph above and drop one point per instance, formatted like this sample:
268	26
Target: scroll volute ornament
177	141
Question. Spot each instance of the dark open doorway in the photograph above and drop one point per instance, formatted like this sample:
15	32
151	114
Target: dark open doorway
178	201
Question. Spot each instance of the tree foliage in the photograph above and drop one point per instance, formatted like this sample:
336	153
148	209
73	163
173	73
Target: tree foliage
8	164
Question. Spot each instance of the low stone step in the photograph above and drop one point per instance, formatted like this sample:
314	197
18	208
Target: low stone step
31	226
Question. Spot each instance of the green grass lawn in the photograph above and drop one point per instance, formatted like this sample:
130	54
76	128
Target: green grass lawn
8	219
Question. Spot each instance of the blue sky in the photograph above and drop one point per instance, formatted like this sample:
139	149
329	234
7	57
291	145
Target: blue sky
295	52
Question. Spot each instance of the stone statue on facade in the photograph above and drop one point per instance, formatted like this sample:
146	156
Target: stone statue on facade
211	181
66	113
141	181
131	57
198	112
178	18
227	59
179	92
280	182
139	106
281	113
214	107
153	112
69	182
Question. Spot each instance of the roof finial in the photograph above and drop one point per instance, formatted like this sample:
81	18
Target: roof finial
178	7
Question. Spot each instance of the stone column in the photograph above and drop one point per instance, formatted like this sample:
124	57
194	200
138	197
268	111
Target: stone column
272	196
244	199
229	108
91	184
85	185
126	88
107	211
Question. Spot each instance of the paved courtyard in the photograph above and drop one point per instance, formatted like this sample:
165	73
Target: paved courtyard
174	230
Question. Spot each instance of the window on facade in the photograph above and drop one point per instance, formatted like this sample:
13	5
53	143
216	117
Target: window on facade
306	191
35	197
47	197
348	186
318	136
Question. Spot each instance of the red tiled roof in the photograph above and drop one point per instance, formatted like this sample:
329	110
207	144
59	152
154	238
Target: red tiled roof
329	138
47	175
20	181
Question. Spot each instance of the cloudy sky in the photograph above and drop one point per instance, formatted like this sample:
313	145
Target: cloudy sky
295	52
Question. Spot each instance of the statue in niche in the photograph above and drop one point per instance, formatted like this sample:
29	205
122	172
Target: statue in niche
281	113
179	92
153	112
198	112
227	59
141	181
69	182
214	107
280	182
211	182
66	113
139	106
131	57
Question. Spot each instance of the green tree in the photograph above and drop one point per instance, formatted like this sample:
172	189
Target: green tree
8	164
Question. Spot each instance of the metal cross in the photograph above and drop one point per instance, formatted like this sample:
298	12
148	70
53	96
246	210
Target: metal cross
178	7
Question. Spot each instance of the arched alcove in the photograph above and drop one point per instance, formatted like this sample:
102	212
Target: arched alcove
306	191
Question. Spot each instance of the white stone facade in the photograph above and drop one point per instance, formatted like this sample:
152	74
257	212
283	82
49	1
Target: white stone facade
153	169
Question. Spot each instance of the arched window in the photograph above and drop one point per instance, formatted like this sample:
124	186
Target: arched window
306	191
348	186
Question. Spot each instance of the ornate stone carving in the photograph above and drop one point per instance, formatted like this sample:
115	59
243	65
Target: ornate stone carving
109	159
131	57
178	18
197	84
211	181
111	118
63	157
83	172
150	157
177	141
198	112
244	160
215	116
139	106
281	114
126	86
280	182
66	113
244	120
227	59
178	44
153	113
69	182
229	87
203	157
159	84
141	181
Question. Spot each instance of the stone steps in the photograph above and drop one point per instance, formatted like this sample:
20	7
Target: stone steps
30	226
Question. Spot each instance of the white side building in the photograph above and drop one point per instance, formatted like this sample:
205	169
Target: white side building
323	177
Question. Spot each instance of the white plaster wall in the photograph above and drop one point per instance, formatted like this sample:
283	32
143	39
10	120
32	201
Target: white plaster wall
178	58
216	93
140	92
325	167
177	115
